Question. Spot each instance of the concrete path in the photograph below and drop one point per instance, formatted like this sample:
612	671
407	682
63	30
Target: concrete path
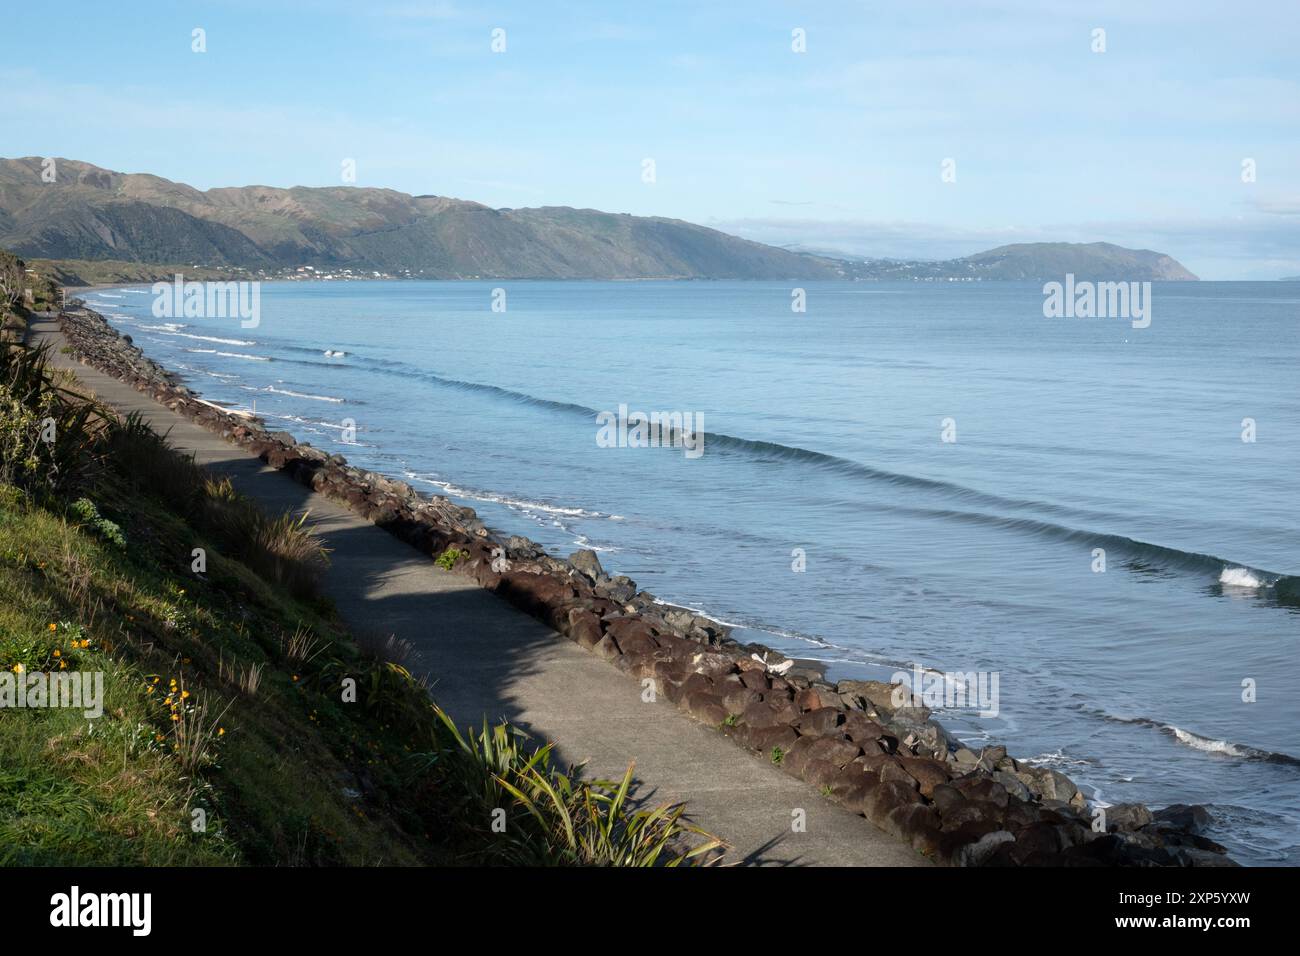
484	658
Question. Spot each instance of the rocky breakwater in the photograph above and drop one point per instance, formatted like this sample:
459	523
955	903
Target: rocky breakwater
862	744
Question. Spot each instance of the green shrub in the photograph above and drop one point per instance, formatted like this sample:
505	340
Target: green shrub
48	437
447	560
558	817
110	531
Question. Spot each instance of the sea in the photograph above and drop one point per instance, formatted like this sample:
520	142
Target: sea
901	478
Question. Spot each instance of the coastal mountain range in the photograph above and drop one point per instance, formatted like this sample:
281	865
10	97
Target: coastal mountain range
88	214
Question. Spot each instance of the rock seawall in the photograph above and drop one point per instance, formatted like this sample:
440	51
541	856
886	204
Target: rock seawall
862	744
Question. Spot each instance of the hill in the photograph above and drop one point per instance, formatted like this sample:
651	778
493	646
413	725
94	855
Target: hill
90	213
1037	262
103	226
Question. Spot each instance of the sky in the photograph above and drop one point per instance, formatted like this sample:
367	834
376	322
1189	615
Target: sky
841	148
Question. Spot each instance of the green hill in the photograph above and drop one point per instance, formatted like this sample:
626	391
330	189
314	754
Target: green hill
89	213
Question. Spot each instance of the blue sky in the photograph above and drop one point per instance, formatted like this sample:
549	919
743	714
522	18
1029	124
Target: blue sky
839	148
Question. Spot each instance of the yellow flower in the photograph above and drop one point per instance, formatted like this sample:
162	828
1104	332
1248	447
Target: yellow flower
58	653
184	694
221	731
63	665
18	668
54	627
176	716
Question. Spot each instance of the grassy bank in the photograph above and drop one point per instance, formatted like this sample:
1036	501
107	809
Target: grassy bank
241	724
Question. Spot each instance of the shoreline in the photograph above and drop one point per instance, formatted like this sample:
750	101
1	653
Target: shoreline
859	741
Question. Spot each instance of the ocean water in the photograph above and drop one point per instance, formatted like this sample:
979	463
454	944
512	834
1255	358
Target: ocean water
1168	677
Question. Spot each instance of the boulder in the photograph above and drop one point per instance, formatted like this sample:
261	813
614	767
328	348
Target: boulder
1127	817
977	851
918	825
1013	785
706	708
977	787
797	756
765	739
763	714
877	693
836	751
1191	818
819	722
586	563
633	635
882	800
815	698
584	628
887	769
737	699
926	771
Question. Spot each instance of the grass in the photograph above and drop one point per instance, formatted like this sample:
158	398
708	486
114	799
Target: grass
242	725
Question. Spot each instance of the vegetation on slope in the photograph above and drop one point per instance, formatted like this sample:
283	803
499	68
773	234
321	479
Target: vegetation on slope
241	723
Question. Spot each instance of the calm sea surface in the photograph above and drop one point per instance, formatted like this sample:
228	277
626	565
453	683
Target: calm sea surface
823	432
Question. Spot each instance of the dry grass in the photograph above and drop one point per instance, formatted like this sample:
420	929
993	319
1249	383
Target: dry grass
390	648
247	677
302	646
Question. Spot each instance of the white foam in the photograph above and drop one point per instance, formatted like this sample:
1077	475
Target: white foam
1241	578
314	398
238	355
1198	742
206	338
521	503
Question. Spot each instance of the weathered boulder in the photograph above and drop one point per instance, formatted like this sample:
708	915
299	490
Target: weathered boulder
876	693
633	635
926	771
1192	818
836	751
1127	817
778	737
706	708
584	628
738	698
880	801
972	847
819	722
586	563
816	698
